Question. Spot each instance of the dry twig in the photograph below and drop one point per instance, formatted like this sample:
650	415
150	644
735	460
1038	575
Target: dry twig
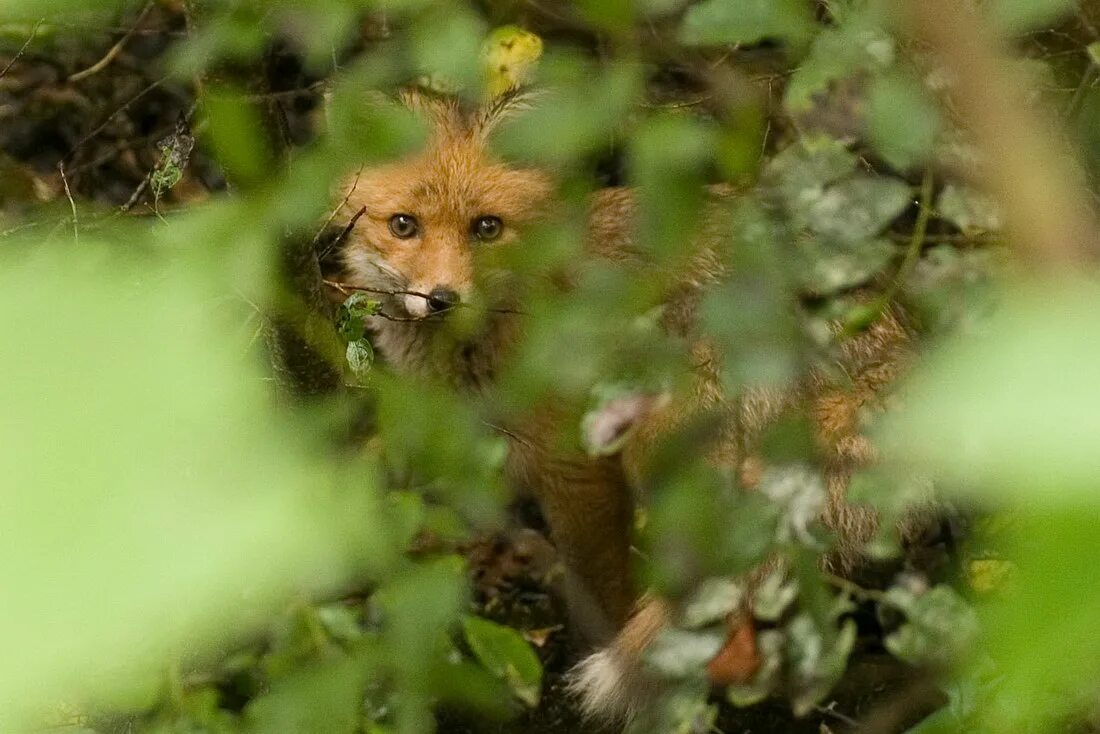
72	202
114	50
23	48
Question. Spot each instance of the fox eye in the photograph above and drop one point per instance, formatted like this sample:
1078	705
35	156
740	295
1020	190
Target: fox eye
487	228
404	226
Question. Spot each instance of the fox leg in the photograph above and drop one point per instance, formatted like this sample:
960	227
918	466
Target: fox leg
589	507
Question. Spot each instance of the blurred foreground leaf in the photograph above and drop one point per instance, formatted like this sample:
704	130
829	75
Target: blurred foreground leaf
152	504
504	652
1011	413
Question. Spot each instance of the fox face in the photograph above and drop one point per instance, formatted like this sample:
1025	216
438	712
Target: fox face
428	219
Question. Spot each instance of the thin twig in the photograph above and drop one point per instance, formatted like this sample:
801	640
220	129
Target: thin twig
23	48
508	433
141	187
111	116
340	208
343	233
830	711
114	50
72	203
854	589
348	288
284	94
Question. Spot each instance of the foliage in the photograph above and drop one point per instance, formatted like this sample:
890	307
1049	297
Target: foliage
191	546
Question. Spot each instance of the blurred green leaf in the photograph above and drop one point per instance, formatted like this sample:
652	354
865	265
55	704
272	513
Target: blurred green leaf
669	156
940	626
446	44
841	59
677	653
1008	413
235	130
504	652
712	602
324	699
828	266
717	22
902	121
1017	16
970	210
136	430
854	208
579	110
802	170
817	661
774	596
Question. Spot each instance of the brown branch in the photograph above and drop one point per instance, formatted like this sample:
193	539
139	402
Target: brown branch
114	50
337	210
23	48
80	144
348	288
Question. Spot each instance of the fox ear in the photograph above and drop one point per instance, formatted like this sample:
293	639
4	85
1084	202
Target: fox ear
511	103
441	111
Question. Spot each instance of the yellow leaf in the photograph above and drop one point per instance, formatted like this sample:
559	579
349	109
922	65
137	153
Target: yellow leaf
509	54
988	575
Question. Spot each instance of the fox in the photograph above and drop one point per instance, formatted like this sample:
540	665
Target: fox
427	220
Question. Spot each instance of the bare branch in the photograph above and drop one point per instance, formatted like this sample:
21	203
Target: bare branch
114	50
23	48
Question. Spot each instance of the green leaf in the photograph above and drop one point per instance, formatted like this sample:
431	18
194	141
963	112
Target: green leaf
830	266
970	210
855	208
325	699
678	653
234	128
407	513
350	318
1010	412
147	476
504	652
1013	17
902	122
340	621
840	58
360	356
801	170
774	596
712	602
716	22
940	626
817	660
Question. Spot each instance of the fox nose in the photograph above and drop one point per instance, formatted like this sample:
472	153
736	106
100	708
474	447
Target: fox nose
442	299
